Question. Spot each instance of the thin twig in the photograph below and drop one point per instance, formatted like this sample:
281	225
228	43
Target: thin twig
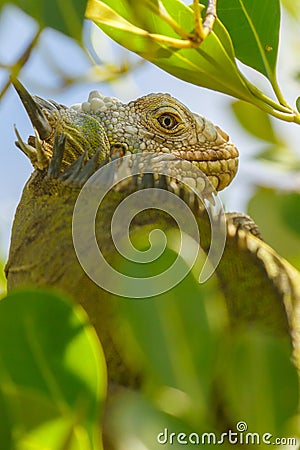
210	17
198	22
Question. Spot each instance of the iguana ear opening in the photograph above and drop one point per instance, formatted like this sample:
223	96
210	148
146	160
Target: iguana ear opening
34	111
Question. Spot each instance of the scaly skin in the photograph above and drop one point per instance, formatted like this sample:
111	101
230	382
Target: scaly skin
160	123
76	140
153	123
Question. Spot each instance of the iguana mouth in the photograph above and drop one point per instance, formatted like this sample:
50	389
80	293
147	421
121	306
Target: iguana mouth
220	172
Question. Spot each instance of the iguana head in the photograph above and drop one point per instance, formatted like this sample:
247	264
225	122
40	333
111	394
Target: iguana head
160	123
153	123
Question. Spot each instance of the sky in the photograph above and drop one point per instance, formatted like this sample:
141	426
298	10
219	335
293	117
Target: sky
40	77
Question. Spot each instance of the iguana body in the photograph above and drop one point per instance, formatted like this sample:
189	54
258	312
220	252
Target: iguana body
69	146
74	142
103	128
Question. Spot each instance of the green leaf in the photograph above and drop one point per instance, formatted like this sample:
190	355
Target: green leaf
174	336
260	382
292	7
212	65
52	374
289	207
255	121
6	426
258	123
134	418
254	29
162	34
277	215
298	104
281	155
66	16
200	375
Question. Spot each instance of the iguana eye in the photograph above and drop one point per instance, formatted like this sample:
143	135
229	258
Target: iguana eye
168	121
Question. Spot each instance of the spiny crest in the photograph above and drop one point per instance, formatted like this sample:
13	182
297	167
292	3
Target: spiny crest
83	133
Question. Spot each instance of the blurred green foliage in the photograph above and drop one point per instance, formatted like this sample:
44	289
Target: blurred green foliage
49	396
66	16
278	214
200	376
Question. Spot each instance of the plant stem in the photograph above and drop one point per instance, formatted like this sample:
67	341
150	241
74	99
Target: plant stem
291	116
261	96
278	92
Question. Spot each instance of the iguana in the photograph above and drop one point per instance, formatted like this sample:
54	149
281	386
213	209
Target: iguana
70	144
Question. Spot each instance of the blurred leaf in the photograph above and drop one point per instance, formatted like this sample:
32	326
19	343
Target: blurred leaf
280	155
199	375
255	121
253	371
212	65
135	422
6	426
277	215
298	103
290	210
66	16
52	374
293	7
172	331
254	29
175	337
